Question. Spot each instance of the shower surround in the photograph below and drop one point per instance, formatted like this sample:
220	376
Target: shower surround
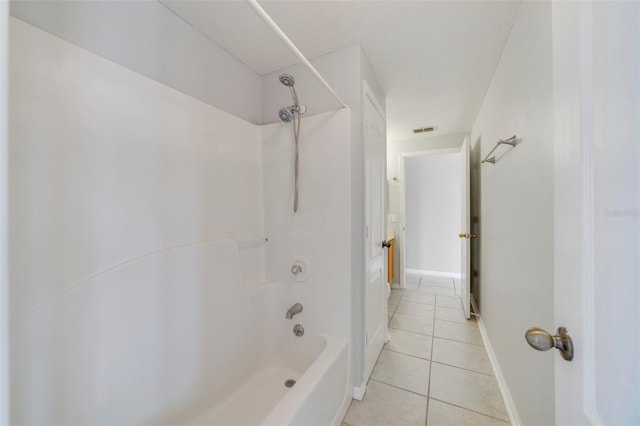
142	291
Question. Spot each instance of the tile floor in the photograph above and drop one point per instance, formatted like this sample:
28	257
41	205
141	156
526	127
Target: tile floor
435	370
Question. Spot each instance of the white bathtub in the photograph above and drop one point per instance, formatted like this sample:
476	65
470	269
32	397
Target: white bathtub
319	364
175	338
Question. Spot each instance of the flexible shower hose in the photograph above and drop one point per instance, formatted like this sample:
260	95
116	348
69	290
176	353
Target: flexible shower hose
296	137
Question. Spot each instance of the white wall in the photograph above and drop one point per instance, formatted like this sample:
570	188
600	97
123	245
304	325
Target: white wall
516	212
148	38
395	150
344	70
110	172
433	215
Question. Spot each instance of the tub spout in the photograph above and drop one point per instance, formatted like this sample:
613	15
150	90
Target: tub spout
294	310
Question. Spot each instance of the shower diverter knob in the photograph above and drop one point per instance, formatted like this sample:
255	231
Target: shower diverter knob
299	269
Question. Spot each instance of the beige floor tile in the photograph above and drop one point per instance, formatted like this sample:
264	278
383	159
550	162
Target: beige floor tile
449	301
414	323
452	314
395	296
437	290
463	355
416	296
409	343
456	331
419	309
467	389
404	371
385	405
443	414
444	282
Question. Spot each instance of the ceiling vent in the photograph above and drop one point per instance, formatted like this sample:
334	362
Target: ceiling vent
423	130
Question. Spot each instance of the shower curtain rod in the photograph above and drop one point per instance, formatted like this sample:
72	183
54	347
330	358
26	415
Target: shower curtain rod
292	47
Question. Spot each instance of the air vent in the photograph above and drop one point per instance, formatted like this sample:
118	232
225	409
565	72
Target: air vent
423	130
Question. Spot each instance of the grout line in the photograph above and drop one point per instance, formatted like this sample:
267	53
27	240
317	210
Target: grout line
414	315
449	307
459	341
462	368
418	303
409	331
456	322
433	332
403	353
398	387
426	415
473	411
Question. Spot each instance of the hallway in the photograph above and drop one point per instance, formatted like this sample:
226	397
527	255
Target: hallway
435	370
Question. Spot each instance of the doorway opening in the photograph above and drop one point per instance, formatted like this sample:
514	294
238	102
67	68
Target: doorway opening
432	205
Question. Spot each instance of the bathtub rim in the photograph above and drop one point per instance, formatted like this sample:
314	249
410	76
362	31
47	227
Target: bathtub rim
281	414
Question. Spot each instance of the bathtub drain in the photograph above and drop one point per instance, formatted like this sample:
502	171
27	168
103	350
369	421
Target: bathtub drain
289	383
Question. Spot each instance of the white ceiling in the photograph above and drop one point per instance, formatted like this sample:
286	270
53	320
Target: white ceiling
434	59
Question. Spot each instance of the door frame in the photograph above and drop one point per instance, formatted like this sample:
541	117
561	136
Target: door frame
368	94
4	226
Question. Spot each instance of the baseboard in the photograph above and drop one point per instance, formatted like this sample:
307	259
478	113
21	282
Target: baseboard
359	391
434	273
514	418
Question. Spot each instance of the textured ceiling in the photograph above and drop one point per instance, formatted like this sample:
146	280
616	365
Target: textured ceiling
434	59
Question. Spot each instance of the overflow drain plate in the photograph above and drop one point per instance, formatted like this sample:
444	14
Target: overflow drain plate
289	383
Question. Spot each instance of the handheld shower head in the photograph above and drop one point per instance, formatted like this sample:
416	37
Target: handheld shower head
287	80
285	114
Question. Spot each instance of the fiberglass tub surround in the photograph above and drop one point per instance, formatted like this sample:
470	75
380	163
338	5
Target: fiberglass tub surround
142	289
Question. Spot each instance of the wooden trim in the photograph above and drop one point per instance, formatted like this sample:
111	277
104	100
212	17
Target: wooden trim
390	261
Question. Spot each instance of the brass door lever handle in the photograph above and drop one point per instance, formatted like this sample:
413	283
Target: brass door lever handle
467	236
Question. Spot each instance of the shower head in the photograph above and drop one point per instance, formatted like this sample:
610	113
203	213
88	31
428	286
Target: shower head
287	80
285	114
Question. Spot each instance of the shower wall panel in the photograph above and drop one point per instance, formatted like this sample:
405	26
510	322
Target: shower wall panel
320	230
109	168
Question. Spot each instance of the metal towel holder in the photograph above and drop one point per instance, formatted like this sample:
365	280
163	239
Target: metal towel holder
511	141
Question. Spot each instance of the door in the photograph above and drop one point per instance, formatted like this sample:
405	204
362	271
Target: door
465	227
596	56
376	287
4	226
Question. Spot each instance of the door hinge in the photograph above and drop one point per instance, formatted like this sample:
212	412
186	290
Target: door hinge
366	338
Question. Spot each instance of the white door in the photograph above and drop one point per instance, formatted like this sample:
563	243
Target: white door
376	287
4	197
597	210
465	229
